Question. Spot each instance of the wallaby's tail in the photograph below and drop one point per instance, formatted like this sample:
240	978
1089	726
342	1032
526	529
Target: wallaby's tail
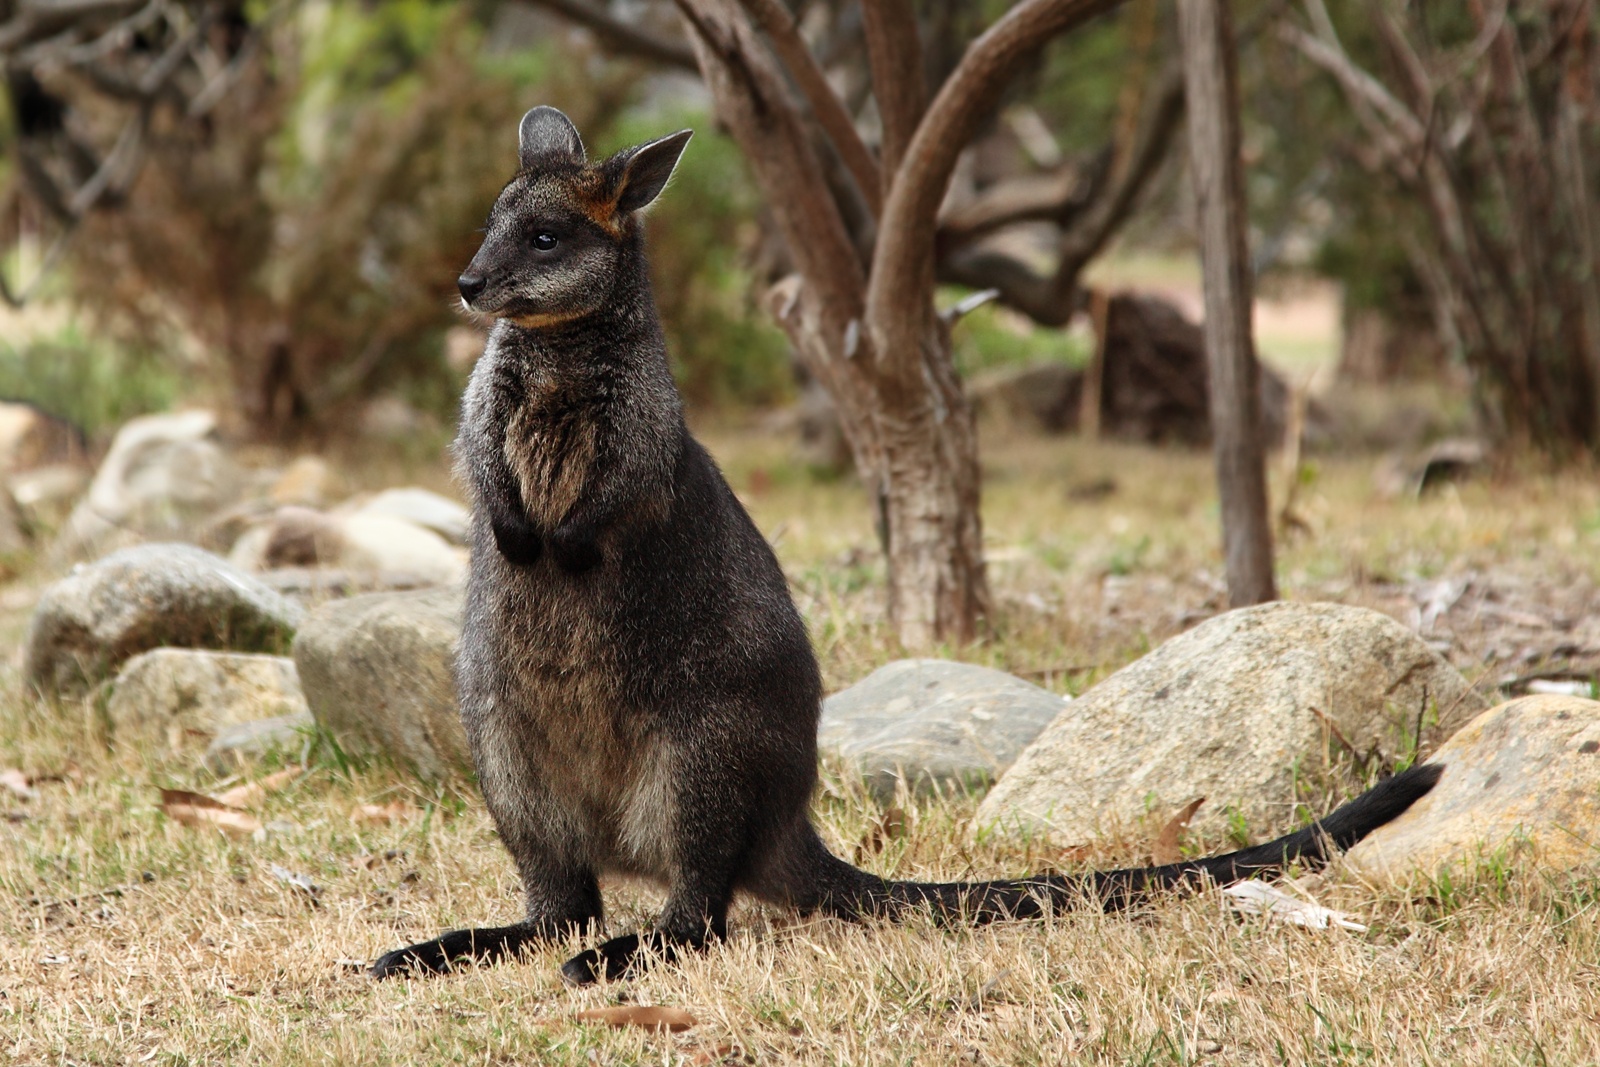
847	892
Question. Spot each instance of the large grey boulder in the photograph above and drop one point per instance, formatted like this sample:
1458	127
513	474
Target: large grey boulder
179	692
145	597
1233	711
377	674
162	475
934	724
1523	777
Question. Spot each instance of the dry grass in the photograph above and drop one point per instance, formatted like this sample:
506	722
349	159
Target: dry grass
201	954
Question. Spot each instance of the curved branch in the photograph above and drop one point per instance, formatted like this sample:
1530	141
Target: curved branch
894	55
1088	222
903	260
1026	198
779	26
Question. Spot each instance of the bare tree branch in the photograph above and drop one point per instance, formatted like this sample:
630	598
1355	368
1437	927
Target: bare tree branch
1025	198
1088	220
903	259
779	26
895	56
620	36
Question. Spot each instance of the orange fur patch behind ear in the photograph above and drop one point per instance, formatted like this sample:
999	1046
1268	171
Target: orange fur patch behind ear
598	202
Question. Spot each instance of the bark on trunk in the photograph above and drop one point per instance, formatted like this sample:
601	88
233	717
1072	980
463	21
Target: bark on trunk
932	529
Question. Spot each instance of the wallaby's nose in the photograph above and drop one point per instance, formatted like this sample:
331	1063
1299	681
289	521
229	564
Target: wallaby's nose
471	286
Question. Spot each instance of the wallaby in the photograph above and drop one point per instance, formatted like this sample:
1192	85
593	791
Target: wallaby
636	683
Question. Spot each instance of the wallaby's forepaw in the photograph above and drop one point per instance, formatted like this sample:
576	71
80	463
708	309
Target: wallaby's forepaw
573	547
518	542
615	959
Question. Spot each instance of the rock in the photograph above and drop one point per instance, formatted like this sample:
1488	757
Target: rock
163	473
178	692
322	583
147	597
308	481
46	494
1234	710
380	543
377	674
246	741
391	419
423	508
935	723
1523	776
357	543
32	437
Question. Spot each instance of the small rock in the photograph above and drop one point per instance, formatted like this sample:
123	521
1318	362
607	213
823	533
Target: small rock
308	481
301	537
1233	710
1522	776
245	741
181	691
145	597
46	494
32	437
420	507
384	543
377	674
321	583
389	418
358	543
934	723
162	474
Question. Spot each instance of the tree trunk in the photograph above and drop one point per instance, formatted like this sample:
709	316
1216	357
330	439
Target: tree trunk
931	525
1213	89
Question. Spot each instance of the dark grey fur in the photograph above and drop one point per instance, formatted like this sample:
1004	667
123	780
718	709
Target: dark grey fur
638	688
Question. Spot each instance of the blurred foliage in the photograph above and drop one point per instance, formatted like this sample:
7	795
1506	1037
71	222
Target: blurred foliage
994	336
308	233
93	383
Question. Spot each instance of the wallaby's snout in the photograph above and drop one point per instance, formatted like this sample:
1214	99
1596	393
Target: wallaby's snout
471	286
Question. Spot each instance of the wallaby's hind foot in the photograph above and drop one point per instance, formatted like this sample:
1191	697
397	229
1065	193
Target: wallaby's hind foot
627	956
446	952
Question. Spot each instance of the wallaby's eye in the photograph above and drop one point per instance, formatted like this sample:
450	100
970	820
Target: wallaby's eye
544	242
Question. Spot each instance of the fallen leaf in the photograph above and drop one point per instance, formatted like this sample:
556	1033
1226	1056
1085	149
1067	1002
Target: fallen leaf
653	1017
379	814
18	783
197	809
1259	898
1168	847
708	1056
253	793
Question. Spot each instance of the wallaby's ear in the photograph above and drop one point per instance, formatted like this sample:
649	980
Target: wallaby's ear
642	172
547	135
